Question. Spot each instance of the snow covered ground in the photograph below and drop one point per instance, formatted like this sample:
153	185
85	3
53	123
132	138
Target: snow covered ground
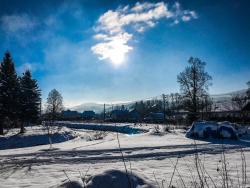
150	155
36	135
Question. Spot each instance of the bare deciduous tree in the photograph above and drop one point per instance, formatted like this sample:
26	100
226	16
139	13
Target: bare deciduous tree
239	101
194	82
248	90
54	106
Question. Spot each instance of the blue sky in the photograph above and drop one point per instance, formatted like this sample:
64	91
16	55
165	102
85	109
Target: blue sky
108	51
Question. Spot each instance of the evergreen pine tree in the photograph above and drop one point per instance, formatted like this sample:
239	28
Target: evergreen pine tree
29	99
9	91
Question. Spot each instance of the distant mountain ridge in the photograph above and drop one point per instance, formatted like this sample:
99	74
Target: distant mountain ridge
230	94
88	106
222	101
97	107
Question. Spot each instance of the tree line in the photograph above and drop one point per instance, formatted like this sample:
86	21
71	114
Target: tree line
20	96
194	97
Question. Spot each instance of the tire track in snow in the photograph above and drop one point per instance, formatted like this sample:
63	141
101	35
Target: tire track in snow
113	155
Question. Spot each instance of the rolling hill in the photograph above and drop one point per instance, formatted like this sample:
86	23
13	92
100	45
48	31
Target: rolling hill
221	101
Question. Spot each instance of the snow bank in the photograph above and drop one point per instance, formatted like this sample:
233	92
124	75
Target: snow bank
110	179
116	178
209	129
159	130
34	136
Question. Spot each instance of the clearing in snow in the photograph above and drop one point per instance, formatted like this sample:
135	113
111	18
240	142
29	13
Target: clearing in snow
148	159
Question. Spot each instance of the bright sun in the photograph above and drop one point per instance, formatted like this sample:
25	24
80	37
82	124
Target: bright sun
117	51
117	57
113	49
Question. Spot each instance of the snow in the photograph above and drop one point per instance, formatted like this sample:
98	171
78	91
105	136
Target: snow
116	178
33	136
150	158
206	129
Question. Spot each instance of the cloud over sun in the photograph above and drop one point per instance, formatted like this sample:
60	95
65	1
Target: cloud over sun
115	28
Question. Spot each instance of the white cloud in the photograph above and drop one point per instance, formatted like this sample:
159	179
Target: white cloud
25	27
19	27
17	23
101	36
140	7
112	27
114	47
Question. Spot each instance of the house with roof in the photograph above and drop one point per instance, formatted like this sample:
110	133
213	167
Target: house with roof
155	117
70	114
134	116
89	114
119	115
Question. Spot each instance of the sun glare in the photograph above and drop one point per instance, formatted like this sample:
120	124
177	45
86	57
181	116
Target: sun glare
114	49
117	57
117	51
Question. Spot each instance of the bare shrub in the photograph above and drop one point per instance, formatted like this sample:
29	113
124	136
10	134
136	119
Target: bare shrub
99	135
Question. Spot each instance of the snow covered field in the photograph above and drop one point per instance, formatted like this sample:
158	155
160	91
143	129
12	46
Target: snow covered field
150	155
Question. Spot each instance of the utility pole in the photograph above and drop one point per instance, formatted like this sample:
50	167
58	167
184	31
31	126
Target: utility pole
104	112
164	106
